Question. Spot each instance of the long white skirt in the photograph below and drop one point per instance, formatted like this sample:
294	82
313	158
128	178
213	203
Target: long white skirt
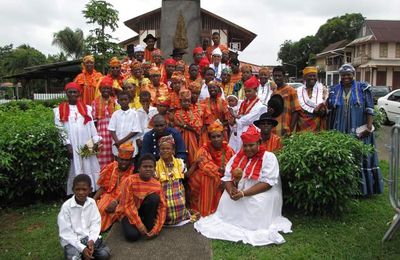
255	220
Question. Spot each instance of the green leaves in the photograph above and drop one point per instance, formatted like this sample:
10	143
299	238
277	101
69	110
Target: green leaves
33	161
320	171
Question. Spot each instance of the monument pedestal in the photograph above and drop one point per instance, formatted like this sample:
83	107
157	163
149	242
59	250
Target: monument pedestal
170	10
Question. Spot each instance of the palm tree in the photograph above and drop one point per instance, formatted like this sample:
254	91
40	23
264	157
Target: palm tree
71	42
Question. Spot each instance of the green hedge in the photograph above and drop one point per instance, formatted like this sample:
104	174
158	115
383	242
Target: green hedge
24	104
320	171
33	161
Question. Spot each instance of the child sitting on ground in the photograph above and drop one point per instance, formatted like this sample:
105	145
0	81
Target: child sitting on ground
142	206
110	181
79	224
170	172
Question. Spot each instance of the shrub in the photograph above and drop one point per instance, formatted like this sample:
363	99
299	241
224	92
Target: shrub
33	161
24	104
320	171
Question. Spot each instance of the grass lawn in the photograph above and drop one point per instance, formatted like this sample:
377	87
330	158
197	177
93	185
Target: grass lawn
31	233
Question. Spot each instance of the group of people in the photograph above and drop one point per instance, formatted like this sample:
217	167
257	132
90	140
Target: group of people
159	143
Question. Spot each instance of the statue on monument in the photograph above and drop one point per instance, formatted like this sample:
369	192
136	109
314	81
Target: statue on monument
180	40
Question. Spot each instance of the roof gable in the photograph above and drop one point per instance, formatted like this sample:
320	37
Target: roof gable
384	30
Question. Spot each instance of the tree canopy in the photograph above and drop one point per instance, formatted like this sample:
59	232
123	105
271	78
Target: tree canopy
69	41
302	53
99	42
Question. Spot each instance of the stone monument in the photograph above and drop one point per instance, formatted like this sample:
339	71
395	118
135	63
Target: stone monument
180	17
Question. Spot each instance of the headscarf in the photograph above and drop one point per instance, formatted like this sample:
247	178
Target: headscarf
197	50
251	135
216	51
347	68
185	94
251	83
169	139
227	71
136	65
154	71
194	86
163	100
106	82
125	151
217	126
114	62
309	69
139	48
169	61
73	85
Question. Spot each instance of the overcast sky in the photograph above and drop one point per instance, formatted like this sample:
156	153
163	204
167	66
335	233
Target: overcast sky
34	22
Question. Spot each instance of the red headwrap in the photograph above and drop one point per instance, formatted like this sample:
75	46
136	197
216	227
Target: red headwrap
251	83
204	62
63	108
73	85
251	135
197	50
106	82
169	61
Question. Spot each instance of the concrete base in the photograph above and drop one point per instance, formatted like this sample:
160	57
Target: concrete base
172	243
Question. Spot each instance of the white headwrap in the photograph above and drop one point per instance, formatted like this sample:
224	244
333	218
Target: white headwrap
216	51
138	48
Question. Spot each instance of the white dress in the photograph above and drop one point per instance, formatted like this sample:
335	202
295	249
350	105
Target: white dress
256	219
77	134
244	122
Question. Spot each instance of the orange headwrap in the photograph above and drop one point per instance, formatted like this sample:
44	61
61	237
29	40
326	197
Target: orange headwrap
114	62
136	65
309	69
217	126
194	86
251	135
154	71
125	151
185	94
251	83
88	58
177	76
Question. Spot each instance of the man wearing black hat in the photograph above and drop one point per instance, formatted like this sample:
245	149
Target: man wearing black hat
267	121
177	54
150	41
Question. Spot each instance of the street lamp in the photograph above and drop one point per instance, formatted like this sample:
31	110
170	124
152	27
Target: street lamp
293	65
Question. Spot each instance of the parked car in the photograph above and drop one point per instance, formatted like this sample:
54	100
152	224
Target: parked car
379	91
295	84
389	105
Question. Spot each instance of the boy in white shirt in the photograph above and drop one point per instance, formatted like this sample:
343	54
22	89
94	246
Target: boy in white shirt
124	125
144	115
79	224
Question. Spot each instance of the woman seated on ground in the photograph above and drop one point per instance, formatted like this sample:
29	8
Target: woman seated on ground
250	208
170	172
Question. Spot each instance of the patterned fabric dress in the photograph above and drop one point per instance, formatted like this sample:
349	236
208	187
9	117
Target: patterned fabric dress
174	191
102	111
349	111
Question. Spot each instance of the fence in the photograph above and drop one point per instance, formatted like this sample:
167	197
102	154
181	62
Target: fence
47	96
3	101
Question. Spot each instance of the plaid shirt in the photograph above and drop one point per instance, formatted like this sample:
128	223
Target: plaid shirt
290	105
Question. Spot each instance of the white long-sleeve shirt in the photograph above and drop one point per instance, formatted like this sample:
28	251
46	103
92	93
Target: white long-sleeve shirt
76	222
144	118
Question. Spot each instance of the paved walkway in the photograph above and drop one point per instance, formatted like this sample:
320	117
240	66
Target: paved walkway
172	243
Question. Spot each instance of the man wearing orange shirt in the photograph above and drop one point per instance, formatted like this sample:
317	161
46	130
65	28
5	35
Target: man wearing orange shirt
88	80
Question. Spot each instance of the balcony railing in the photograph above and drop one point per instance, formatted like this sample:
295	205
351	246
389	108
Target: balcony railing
361	59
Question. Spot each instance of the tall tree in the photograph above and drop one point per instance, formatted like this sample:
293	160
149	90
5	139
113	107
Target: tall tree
303	52
339	28
99	42
69	41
